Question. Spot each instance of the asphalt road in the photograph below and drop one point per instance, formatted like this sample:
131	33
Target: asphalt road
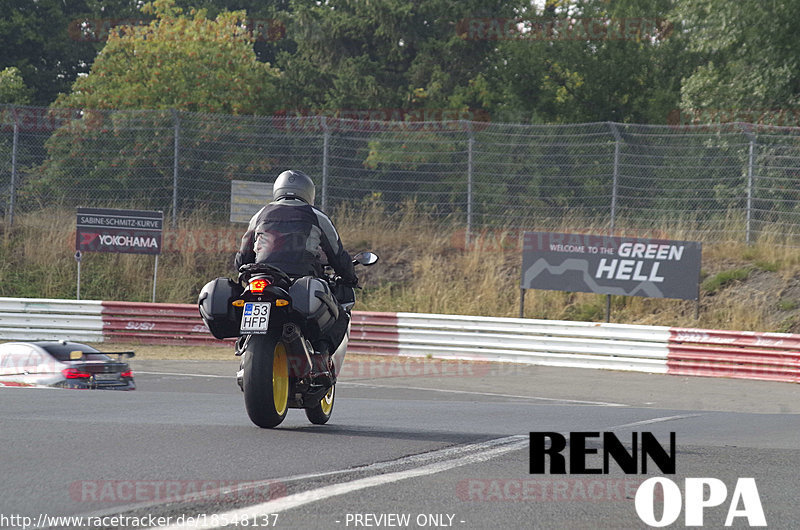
410	445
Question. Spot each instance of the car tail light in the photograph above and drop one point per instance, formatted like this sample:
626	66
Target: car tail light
258	285
127	373
74	373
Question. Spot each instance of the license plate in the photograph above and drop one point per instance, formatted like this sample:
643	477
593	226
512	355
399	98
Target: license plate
106	377
255	317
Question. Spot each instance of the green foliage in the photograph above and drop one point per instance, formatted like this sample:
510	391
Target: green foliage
386	55
492	56
102	156
418	161
749	50
178	61
724	278
788	305
630	73
769	266
44	39
587	312
752	253
128	157
12	87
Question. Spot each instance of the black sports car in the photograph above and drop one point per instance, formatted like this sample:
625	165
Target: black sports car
63	364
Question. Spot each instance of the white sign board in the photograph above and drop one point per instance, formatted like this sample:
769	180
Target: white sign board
247	197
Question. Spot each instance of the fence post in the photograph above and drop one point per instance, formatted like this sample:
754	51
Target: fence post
751	138
325	145
750	161
176	143
617	139
470	170
14	146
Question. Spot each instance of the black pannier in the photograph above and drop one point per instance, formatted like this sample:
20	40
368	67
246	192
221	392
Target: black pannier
313	298
215	307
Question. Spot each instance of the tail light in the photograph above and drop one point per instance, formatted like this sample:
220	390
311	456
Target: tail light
74	373
127	373
258	285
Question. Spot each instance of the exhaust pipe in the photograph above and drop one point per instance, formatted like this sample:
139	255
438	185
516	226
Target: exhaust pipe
297	350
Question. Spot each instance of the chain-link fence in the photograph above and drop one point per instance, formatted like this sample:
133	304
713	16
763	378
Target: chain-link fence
715	182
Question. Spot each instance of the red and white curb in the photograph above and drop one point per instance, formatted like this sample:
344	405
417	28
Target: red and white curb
653	349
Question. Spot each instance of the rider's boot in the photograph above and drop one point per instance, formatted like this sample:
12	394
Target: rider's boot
320	367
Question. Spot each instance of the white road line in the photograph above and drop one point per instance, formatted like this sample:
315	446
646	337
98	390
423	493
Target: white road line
486	451
243	488
492	394
512	443
136	372
654	420
40	387
469	392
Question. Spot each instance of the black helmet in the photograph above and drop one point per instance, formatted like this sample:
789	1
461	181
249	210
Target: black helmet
295	185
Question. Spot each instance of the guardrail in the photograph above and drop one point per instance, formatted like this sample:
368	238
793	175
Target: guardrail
155	324
50	319
543	342
740	354
654	349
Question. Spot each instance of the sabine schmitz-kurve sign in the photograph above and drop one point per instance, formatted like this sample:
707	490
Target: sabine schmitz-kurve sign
122	231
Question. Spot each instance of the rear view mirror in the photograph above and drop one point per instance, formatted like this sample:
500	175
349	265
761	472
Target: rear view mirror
366	258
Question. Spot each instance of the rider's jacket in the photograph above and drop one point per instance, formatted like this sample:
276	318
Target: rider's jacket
289	234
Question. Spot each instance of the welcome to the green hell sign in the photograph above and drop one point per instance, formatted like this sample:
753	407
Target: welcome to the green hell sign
611	265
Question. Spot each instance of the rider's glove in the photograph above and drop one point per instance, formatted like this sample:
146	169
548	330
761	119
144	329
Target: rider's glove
350	282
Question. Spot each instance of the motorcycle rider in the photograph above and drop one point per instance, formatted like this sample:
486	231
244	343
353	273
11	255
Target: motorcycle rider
289	233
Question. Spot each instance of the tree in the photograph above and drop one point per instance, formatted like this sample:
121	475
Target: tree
52	42
393	54
185	62
751	54
269	21
591	60
12	87
180	61
750	74
394	60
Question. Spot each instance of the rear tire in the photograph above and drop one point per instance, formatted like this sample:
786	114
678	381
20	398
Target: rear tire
321	412
266	381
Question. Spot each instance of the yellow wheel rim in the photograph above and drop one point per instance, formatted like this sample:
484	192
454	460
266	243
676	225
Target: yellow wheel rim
280	379
327	402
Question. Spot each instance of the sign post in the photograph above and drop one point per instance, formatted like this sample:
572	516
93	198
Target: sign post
119	231
155	278
78	259
628	266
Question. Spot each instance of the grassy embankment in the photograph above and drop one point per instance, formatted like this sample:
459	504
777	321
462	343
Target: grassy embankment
423	269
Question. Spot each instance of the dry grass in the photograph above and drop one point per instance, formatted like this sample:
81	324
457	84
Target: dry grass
424	267
151	352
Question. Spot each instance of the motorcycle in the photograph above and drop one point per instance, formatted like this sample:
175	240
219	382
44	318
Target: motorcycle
278	320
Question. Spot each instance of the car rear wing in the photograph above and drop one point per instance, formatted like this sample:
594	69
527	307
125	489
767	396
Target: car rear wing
78	355
120	354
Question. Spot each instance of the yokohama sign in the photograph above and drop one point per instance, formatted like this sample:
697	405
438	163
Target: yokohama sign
121	231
